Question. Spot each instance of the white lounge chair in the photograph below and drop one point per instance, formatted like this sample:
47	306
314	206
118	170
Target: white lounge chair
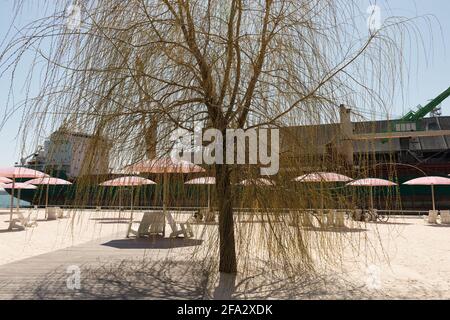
306	219
22	221
54	213
185	227
321	217
339	219
445	216
208	215
372	215
152	223
301	218
432	216
357	215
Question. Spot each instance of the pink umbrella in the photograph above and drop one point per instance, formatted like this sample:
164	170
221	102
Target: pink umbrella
323	177
5	180
131	181
429	181
165	166
127	182
18	186
371	182
204	180
19	172
257	182
48	181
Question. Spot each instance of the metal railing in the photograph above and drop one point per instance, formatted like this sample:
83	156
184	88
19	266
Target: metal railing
236	211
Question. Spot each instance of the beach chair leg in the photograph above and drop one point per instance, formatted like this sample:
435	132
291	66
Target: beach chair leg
184	230
189	230
129	230
14	224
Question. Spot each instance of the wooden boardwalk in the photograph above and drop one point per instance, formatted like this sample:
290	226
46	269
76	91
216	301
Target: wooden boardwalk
109	269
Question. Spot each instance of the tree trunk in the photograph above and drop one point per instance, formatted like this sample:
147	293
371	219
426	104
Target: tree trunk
227	248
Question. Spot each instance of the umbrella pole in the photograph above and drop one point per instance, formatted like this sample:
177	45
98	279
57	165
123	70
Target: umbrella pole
46	202
209	198
432	197
131	207
120	199
18	200
11	205
165	191
371	198
321	196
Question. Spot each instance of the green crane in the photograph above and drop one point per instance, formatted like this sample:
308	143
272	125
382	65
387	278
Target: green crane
409	121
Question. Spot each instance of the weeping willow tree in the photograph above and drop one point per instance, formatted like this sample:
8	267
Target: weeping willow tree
136	71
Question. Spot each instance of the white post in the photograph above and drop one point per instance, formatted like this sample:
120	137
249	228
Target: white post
432	197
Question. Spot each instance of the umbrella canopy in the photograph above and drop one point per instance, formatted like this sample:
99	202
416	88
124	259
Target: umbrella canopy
165	165
372	182
203	180
131	181
48	181
323	177
127	182
5	180
257	182
429	181
21	172
18	186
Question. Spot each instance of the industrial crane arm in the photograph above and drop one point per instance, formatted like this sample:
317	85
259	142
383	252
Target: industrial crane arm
423	111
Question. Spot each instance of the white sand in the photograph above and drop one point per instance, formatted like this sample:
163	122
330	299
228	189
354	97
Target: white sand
412	260
48	236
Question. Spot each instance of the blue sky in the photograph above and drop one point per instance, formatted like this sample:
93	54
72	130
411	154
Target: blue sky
428	77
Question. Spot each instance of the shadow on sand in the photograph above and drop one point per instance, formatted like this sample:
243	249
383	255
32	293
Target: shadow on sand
111	219
10	231
114	222
153	243
438	225
393	223
168	279
335	230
